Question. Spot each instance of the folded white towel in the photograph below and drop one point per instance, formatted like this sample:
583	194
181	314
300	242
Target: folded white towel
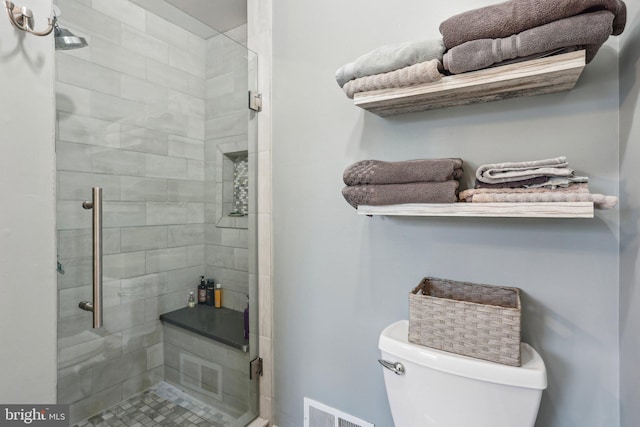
600	201
468	195
496	173
390	57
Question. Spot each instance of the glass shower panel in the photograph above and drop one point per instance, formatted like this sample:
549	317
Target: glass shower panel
153	114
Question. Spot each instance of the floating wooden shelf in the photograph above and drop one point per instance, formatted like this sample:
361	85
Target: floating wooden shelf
528	78
510	210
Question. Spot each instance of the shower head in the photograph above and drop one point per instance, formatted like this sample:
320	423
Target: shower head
66	40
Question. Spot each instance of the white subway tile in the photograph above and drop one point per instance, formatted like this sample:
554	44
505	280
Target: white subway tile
77	185
185	191
166	167
79	243
143	189
120	266
144	44
143	140
190	148
166	259
117	162
123	214
88	130
143	238
81	73
115	57
166	31
73	99
123	11
185	234
117	109
166	213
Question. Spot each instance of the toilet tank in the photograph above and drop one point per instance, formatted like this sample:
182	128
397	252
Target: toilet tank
442	389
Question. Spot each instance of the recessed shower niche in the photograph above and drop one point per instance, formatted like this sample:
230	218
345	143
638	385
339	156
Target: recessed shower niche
232	184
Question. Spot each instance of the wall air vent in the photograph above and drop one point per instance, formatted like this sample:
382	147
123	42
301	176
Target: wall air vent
317	414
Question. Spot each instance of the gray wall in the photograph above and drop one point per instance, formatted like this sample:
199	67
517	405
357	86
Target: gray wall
27	245
339	278
629	220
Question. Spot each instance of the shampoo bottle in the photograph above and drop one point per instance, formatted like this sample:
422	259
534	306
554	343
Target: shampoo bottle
210	292
202	291
217	296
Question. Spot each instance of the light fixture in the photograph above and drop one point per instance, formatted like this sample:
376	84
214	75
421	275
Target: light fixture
22	19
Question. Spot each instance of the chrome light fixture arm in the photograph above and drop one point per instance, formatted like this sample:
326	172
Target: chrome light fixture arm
22	19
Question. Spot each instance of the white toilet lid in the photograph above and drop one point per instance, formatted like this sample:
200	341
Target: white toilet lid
531	374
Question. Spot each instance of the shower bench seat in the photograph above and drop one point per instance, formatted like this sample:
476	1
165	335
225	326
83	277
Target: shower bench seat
219	324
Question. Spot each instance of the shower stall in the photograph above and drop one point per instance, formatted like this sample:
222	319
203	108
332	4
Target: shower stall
155	113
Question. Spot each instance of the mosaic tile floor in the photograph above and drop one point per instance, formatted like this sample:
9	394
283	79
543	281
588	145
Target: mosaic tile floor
161	406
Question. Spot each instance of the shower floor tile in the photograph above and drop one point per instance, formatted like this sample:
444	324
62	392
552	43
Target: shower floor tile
161	406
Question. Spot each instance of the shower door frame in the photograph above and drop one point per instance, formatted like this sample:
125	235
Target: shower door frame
101	346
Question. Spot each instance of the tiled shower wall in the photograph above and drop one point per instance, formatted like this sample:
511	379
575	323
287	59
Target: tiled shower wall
131	119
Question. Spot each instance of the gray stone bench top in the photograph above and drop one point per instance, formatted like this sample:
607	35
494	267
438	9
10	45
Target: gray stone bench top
219	324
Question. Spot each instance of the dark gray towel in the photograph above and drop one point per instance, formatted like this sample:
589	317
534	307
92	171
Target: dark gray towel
513	184
393	194
422	170
590	30
514	16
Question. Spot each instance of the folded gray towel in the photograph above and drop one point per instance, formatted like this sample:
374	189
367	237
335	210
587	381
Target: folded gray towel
424	72
390	57
393	194
559	182
514	16
421	170
590	30
517	171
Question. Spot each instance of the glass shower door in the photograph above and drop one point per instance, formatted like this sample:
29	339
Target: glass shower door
157	117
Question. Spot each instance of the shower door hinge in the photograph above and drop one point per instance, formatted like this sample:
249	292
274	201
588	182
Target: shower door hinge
255	101
255	368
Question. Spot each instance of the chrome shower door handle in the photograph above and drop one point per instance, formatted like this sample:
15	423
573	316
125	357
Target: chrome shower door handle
96	305
397	368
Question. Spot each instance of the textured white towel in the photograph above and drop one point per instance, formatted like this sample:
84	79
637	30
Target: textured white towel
496	173
424	72
600	201
390	57
469	195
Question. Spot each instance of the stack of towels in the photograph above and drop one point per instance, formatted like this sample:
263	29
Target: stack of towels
377	183
549	180
513	31
525	29
393	66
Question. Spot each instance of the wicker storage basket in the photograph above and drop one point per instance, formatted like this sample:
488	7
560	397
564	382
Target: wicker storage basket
475	320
